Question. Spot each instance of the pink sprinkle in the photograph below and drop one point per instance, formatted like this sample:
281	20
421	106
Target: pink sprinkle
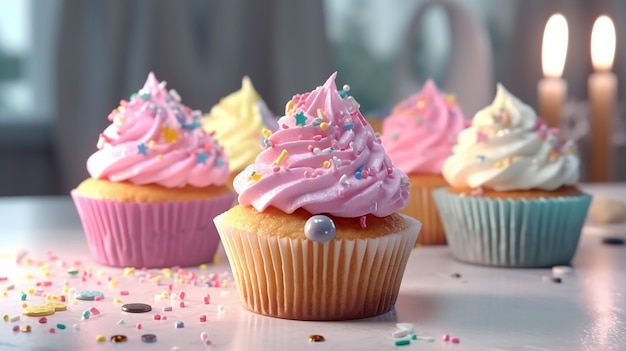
276	169
164	318
445	337
207	342
364	174
170	287
271	143
83	279
16	328
94	311
43	320
202	318
310	148
99	282
455	340
362	221
284	126
389	170
157	317
317	137
138	326
124	292
62	298
52	330
3	279
182	304
207	299
182	295
97	298
109	278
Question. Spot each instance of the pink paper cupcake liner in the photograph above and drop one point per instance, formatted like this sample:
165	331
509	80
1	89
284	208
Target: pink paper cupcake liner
165	234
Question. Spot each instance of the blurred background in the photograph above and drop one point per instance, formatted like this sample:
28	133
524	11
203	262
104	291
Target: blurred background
65	64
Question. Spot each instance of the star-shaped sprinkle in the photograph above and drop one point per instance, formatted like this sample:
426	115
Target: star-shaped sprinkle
202	157
300	119
169	134
142	149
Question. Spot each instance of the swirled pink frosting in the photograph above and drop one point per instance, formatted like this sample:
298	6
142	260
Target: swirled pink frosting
324	158
154	139
421	130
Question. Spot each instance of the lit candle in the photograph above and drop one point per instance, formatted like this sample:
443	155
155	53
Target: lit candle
602	89
552	89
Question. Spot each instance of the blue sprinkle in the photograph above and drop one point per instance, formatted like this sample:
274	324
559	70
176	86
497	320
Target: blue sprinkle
193	125
360	169
357	175
208	284
142	149
480	158
202	157
181	119
180	324
145	96
132	96
348	126
343	94
219	162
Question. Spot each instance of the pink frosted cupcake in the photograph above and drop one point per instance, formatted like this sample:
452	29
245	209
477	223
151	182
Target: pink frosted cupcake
157	181
316	235
419	136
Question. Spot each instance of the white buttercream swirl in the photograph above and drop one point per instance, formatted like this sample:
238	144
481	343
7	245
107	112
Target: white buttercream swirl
507	147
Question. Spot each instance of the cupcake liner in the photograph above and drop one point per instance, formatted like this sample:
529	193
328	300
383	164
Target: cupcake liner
540	232
421	206
306	280
163	234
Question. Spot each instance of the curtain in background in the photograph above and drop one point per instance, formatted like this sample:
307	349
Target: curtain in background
201	48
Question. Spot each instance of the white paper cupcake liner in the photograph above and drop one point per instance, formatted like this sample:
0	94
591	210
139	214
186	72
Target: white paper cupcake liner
306	280
541	232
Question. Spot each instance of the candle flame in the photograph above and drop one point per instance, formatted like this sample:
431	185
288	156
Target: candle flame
603	44
554	48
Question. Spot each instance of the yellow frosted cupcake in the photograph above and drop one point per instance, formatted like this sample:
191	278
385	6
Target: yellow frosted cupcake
316	235
157	181
237	122
418	136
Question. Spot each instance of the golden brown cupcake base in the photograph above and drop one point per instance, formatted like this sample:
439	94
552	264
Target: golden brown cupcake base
421	206
126	191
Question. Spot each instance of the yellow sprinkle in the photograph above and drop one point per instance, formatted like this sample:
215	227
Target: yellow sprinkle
117	300
498	165
169	134
113	283
323	125
28	276
151	144
128	271
281	157
320	114
47	273
31	291
289	107
203	266
5	317
167	272
44	266
29	261
326	164
255	176
100	272
451	98
101	338
65	289
165	294
24	305
266	133
156	278
4	292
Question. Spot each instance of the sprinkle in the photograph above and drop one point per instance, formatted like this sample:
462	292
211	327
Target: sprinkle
52	330
445	337
120	322
207	299
266	133
455	340
300	119
480	158
86	314
16	328
75	326
358	175
179	324
204	336
455	275
316	338
402	342
124	292
498	165
362	222
288	107
26	329
138	326
101	338
119	338
202	157
145	96
255	176
113	283
348	126
323	125
346	87
413	336
88	295
97	298
94	311
202	318
326	164
557	280
343	94
43	320
117	300
148	338
281	157
317	121
169	134
23	296
72	271
166	309
61	326
183	304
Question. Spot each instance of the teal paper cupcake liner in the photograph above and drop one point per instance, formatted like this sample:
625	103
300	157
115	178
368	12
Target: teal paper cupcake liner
541	232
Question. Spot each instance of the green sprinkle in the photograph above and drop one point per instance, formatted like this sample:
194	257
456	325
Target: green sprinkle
403	342
24	296
145	96
414	336
317	121
72	271
60	326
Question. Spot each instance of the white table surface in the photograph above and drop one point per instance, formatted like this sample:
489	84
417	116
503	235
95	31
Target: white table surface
492	309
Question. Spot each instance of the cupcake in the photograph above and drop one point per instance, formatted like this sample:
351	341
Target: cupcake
316	235
237	122
418	136
157	181
512	199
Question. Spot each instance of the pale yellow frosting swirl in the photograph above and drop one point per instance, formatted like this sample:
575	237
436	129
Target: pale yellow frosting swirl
237	121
